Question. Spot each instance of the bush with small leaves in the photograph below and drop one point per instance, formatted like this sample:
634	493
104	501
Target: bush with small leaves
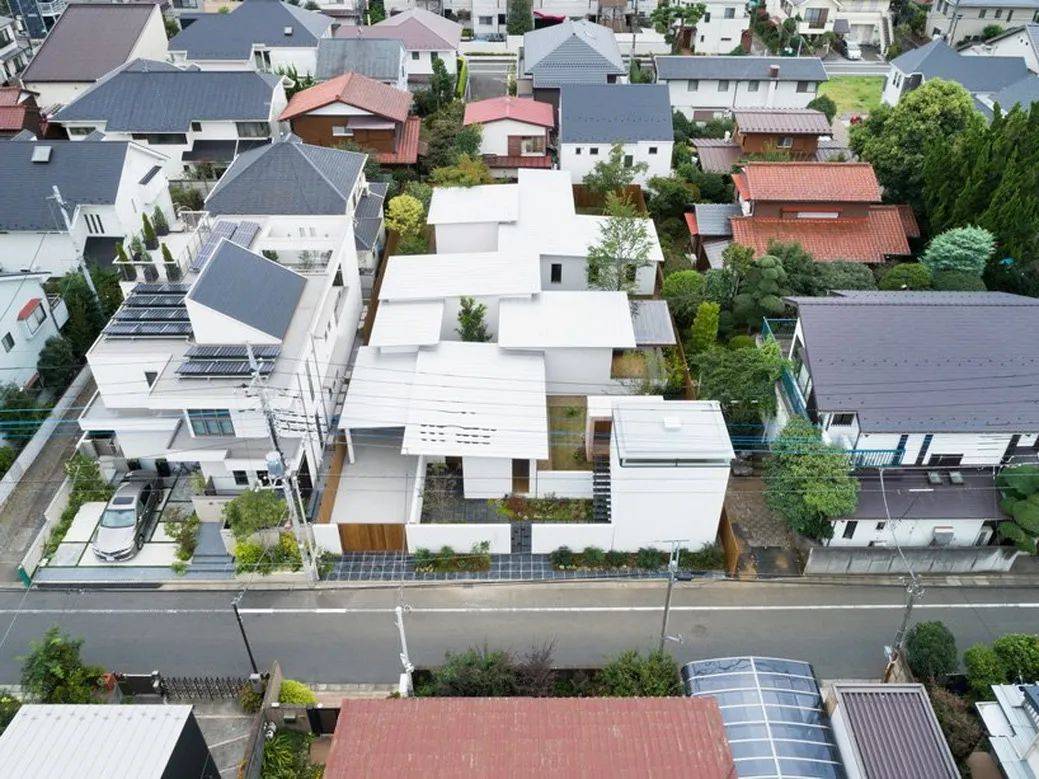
908	276
684	291
249	699
984	669
648	558
959	726
631	675
957	281
615	559
296	693
742	341
1020	654
562	558
931	651
593	557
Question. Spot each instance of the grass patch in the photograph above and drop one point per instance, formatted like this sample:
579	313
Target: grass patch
566	417
628	365
854	94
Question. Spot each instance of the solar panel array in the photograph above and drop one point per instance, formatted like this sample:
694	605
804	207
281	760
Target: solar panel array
154	310
774	716
231	352
226	361
241	233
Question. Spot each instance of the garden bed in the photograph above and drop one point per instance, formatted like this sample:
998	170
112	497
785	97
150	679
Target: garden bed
566	420
709	558
446	560
518	508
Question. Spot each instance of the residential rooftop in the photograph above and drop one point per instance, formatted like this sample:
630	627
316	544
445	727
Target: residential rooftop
938	59
803	182
471	274
351	89
786	121
686	430
520	109
416	28
740	68
571	52
380	59
916	494
1011	724
231	36
615	113
573	319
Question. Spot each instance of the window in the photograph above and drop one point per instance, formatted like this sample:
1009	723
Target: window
341	130
241	478
723	85
982	12
593	150
577	150
881	525
36	318
629	161
946	460
8	342
923	449
806	86
816	17
150	377
707	17
414	54
730	13
999	13
196	127
161	139
652	149
94	224
79	131
502	19
692	85
433	56
752	86
849	528
253	129
785	142
337	281
532	144
556	273
842	420
1010	15
210	422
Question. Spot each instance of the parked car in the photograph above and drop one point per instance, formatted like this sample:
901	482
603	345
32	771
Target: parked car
853	52
124	522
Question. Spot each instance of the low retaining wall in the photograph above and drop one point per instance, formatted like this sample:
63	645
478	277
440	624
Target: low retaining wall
548	536
460	537
51	515
923	560
564	484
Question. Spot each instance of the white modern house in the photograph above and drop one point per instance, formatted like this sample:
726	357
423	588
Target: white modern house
14	54
594	118
1020	41
30	317
1012	726
867	22
192	116
264	35
703	88
88	41
721	28
513	217
515	133
65	200
173	365
956	21
917	403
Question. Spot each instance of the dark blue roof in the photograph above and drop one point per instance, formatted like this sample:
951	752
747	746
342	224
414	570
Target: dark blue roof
615	113
976	74
231	36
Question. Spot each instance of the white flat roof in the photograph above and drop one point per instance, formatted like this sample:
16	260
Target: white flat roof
468	205
671	429
379	391
407	323
476	274
567	319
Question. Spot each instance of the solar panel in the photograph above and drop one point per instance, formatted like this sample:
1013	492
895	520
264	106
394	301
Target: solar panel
168	314
161	288
231	352
214	368
148	329
221	229
244	233
149	301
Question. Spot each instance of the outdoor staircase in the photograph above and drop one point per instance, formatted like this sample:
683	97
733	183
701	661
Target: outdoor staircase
601	489
213	564
886	35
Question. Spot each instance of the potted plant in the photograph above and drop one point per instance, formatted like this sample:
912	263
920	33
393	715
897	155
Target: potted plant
151	241
137	250
162	227
170	265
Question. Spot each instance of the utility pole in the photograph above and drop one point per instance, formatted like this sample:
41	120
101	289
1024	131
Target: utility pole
245	638
950	33
913	591
278	469
80	264
672	574
405	659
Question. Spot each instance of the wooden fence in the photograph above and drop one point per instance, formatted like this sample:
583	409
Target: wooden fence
730	543
392	239
585	198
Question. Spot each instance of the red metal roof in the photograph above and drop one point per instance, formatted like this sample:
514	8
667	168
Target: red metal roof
690	221
543	162
522	109
788	121
407	146
28	308
10	96
869	239
548	738
353	89
810	182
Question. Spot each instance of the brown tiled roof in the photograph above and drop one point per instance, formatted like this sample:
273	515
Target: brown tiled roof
522	109
716	155
543	162
548	738
870	239
788	121
909	221
407	146
811	182
353	89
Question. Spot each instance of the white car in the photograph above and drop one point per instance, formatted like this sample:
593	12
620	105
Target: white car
854	52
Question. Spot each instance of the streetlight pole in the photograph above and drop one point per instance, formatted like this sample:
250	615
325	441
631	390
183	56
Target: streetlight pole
245	638
672	573
913	591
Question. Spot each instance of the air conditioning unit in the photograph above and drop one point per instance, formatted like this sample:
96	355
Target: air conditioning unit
942	536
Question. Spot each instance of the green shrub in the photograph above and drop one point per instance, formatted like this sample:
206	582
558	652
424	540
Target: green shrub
957	281
684	290
562	558
648	558
179	567
615	559
87	485
9	706
710	557
632	675
984	669
251	557
475	673
249	699
286	755
931	650
593	557
743	341
907	275
296	693
959	725
1020	655
844	275
54	672
254	510
185	533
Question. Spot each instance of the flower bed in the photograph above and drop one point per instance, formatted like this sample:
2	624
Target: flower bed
547	509
709	558
446	560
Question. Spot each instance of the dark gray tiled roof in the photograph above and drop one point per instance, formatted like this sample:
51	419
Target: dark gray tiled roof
713	218
287	177
249	288
911	496
612	113
86	172
149	96
231	36
1023	92
88	41
580	52
924	362
739	68
977	74
376	58
368	216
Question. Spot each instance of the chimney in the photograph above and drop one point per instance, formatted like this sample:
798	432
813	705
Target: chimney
773	71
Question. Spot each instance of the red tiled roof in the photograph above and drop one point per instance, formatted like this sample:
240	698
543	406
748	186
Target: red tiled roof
909	221
28	308
548	738
353	89
522	109
12	118
690	221
543	162
9	96
407	147
815	182
868	239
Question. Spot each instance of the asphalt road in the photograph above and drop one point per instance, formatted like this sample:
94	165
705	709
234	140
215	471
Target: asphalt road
338	636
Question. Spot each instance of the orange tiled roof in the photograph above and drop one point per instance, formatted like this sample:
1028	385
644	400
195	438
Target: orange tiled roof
868	239
353	89
407	147
690	222
815	182
522	109
909	221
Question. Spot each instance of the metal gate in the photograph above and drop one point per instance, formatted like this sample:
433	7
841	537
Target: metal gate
521	537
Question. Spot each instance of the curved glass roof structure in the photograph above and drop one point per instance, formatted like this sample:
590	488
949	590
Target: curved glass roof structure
774	716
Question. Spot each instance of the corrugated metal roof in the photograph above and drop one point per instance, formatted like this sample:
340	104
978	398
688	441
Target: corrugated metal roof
716	155
712	219
249	288
88	41
615	113
380	59
651	320
788	121
150	96
231	36
889	357
739	68
429	276
894	731
91	741
86	172
571	319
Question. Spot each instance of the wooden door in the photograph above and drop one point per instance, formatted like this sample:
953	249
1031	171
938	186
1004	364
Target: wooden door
521	476
357	537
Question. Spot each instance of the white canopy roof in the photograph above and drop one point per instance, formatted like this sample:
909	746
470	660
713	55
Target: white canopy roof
567	319
691	430
407	323
379	391
475	274
468	205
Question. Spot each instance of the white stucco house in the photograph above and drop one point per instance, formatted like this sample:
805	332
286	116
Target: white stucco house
721	28
88	41
192	116
1020	41
950	431
594	118
14	51
264	35
30	317
703	88
867	22
957	21
515	133
104	187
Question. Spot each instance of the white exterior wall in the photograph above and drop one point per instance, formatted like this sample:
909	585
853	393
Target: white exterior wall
422	65
487	477
460	537
481	24
721	35
57	93
546	537
893	86
51	252
574	275
578	371
972	23
471	237
1016	45
449	324
579	160
152	44
563	484
496	134
769	94
917	532
978	449
19	365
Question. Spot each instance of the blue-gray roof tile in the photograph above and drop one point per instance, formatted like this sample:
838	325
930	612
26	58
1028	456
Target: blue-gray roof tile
615	113
231	36
739	68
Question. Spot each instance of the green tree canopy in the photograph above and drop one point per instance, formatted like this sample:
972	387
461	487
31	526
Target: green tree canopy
611	174
521	17
54	672
761	293
802	272
957	281
254	510
807	482
961	249
56	363
405	215
672	20
684	291
907	275
622	249
670	197
1019	653
466	172
704	332
845	275
471	321
1019	487
630	675
984	669
825	104
742	380
931	651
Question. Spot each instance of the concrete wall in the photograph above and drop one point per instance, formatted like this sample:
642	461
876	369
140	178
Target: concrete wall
917	532
578	371
422	65
460	537
580	158
486	477
473	237
564	484
879	560
574	275
549	536
326	537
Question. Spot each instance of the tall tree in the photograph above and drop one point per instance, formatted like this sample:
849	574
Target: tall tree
622	249
472	325
672	20
521	17
611	175
742	380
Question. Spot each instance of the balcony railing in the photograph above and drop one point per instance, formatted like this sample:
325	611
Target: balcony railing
793	394
55	8
876	458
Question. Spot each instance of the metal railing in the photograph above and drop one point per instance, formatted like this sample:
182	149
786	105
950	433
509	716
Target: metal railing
55	8
875	458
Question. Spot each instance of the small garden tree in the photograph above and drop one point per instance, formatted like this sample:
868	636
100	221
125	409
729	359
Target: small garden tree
254	510
825	104
54	672
807	482
612	175
405	215
521	17
761	293
907	276
957	281
742	380
672	20
1019	487
476	673
56	363
471	324
931	651
623	247
704	332
1019	653
684	291
984	669
162	227
802	272
670	197
151	241
466	172
630	675
844	275
962	249
85	316
441	84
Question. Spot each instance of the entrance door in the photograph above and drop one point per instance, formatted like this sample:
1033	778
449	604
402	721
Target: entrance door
521	537
521	476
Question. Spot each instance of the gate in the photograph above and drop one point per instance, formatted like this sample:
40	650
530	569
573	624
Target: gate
357	537
322	721
521	537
